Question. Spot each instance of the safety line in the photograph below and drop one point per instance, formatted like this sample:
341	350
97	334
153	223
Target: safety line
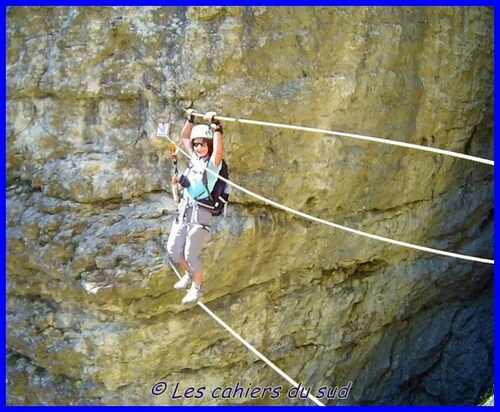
345	228
250	347
356	136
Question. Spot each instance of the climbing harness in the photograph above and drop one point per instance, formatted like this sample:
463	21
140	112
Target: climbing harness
188	214
357	136
250	347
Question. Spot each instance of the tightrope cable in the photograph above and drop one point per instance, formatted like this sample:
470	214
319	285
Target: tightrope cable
250	347
356	136
337	226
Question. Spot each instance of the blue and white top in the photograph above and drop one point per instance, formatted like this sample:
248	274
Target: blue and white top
196	189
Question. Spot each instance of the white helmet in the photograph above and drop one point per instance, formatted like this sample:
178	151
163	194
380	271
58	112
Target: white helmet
201	131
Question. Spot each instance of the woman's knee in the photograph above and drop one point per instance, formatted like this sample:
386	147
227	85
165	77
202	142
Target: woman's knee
194	262
175	251
175	255
194	247
176	243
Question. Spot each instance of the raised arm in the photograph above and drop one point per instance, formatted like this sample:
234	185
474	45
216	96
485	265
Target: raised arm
186	131
218	146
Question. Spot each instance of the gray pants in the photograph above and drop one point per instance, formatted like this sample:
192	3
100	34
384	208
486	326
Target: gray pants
188	234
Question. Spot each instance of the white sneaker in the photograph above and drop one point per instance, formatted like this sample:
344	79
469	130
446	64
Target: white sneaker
193	294
184	282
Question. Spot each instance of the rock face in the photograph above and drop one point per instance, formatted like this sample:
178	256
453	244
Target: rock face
92	316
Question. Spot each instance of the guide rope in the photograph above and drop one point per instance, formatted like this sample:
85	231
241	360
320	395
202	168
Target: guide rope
357	136
248	345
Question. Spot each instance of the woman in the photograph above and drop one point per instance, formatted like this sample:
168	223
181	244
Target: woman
191	226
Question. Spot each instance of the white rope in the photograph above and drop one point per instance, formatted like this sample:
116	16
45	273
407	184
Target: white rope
250	347
345	228
357	136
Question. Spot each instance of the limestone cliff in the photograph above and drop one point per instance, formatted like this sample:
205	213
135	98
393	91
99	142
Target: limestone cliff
92	317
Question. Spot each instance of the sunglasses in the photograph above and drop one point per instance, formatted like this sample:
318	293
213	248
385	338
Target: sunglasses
202	144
